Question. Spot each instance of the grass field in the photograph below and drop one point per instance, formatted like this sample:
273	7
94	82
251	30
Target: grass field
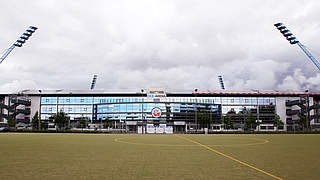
105	156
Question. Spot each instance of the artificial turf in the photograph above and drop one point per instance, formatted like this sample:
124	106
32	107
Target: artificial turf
129	156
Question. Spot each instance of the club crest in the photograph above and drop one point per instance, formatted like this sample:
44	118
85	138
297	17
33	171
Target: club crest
156	112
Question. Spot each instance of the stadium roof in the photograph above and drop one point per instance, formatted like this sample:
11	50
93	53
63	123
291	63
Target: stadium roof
61	92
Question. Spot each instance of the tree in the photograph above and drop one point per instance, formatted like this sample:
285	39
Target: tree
251	122
60	120
277	122
227	122
11	122
302	121
107	123
35	121
83	121
204	119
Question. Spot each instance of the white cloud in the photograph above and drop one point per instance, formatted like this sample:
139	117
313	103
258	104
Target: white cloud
298	81
18	86
176	44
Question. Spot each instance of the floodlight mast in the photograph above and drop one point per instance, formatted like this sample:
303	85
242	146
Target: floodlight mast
221	82
94	80
292	39
25	36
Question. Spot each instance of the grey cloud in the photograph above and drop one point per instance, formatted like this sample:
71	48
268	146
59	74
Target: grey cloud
180	44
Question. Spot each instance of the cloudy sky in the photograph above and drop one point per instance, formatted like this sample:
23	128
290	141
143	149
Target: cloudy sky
174	44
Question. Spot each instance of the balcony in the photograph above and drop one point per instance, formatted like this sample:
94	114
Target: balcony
295	102
292	112
20	101
23	111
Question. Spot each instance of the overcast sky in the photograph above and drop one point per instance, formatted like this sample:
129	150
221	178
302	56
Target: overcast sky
175	44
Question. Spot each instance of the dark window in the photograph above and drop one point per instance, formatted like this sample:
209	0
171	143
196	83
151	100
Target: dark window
270	127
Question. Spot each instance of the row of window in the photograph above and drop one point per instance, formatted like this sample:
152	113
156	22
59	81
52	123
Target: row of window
137	108
110	108
66	108
72	116
147	107
208	100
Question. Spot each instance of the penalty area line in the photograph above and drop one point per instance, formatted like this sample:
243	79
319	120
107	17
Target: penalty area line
229	157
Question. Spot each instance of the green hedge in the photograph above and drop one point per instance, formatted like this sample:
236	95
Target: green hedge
199	132
265	132
56	131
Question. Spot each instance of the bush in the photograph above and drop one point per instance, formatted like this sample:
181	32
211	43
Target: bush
55	131
265	132
198	132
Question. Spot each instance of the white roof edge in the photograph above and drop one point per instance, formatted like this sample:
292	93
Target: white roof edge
102	91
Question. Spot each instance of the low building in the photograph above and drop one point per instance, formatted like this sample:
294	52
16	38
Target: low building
157	111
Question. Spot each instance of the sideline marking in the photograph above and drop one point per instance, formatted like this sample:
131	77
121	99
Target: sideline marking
187	145
232	158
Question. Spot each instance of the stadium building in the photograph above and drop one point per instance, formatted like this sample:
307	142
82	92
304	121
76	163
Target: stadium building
157	111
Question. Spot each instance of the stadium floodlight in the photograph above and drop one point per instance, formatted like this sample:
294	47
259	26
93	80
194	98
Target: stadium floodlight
293	40
286	33
94	80
221	82
22	39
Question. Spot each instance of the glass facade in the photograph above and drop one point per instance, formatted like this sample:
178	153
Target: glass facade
138	108
143	111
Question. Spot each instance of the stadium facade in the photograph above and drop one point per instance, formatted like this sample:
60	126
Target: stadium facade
157	111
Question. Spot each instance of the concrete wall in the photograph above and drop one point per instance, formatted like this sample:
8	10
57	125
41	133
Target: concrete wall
281	109
35	105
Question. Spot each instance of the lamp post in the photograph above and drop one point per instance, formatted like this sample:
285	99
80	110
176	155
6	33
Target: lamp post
258	107
23	38
39	116
195	111
307	110
142	115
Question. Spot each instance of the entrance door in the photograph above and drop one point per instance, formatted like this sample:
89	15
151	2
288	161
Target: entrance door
132	128
179	129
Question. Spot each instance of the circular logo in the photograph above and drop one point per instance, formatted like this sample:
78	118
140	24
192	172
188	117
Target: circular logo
156	112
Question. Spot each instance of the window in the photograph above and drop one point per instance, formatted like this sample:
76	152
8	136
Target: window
267	101
68	100
270	127
81	100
